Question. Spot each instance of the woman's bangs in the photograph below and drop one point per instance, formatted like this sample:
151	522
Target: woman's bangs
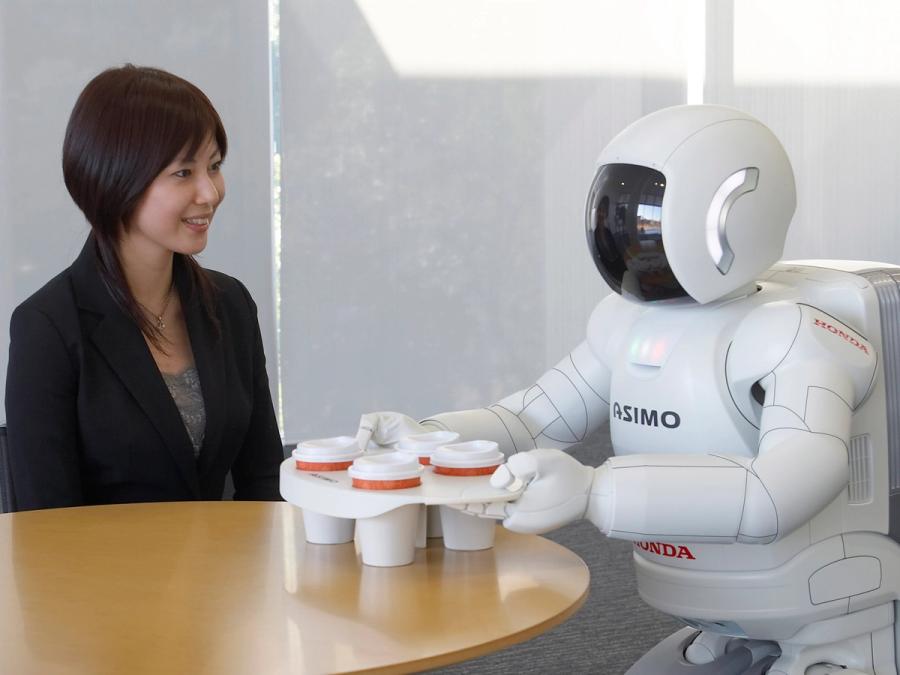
189	123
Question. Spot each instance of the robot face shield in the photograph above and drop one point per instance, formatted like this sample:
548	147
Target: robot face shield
624	232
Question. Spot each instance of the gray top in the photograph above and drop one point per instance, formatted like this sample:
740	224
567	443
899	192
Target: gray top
185	390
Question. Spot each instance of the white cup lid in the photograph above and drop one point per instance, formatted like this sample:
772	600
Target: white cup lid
470	455
386	466
335	449
422	445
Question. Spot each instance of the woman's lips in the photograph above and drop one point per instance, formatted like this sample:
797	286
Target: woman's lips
199	224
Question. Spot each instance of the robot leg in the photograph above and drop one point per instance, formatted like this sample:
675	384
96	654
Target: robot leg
739	656
860	642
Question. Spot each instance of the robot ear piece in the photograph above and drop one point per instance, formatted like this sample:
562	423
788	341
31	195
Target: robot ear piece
736	185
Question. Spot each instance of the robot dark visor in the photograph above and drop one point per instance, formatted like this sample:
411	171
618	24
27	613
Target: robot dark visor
624	232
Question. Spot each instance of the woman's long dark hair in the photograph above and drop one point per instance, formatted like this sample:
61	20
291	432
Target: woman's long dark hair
127	125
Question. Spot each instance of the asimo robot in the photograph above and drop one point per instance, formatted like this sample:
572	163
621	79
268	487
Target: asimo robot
753	408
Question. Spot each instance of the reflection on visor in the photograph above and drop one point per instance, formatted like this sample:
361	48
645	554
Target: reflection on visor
624	231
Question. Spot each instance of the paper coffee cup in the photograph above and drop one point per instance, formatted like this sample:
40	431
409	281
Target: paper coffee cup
326	454
474	458
422	445
322	529
387	471
465	532
389	540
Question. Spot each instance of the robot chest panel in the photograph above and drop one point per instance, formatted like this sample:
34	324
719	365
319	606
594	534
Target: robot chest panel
668	392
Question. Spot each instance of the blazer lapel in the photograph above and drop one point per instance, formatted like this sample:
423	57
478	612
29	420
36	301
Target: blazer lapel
209	356
122	344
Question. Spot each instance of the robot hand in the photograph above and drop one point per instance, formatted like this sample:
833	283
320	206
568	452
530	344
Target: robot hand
557	490
386	428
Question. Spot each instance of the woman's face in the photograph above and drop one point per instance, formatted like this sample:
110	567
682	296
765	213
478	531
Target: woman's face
176	210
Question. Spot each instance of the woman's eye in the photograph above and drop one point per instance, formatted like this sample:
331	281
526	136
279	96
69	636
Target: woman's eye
217	166
183	173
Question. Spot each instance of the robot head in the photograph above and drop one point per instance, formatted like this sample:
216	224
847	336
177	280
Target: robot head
692	201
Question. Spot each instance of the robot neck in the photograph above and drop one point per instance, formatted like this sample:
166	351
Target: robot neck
742	292
687	301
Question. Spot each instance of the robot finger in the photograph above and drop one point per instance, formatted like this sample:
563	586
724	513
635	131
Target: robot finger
523	466
470	509
497	510
367	424
502	477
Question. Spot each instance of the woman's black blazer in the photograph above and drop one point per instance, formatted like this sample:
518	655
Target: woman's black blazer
91	421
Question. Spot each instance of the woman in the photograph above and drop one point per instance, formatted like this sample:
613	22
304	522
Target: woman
135	375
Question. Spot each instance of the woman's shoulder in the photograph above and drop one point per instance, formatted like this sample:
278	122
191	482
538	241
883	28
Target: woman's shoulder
55	298
50	311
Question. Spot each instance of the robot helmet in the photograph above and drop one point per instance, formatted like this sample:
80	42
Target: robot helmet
693	200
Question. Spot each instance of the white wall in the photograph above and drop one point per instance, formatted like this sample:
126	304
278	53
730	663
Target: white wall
48	52
437	156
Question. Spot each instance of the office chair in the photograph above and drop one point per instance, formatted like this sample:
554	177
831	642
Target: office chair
7	493
288	447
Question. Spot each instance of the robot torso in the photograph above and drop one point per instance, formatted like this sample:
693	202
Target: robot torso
677	386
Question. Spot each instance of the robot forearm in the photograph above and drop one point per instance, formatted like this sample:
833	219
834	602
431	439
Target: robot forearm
489	424
675	497
708	498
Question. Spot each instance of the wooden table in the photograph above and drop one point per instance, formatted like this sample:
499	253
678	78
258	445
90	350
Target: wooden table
231	587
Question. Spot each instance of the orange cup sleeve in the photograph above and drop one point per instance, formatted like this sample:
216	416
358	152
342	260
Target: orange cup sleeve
364	484
476	471
323	466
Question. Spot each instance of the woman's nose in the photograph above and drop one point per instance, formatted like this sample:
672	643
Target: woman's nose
207	192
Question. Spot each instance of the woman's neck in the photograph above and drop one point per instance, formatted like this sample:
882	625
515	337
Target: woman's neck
148	273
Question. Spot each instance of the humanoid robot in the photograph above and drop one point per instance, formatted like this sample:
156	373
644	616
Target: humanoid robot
753	409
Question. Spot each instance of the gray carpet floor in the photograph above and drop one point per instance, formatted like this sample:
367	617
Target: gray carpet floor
611	630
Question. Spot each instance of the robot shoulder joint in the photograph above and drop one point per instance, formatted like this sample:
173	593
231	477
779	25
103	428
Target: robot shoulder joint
763	340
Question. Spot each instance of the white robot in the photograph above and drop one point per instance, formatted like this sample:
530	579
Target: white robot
753	409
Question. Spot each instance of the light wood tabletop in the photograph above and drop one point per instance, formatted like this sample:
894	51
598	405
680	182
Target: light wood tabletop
233	588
